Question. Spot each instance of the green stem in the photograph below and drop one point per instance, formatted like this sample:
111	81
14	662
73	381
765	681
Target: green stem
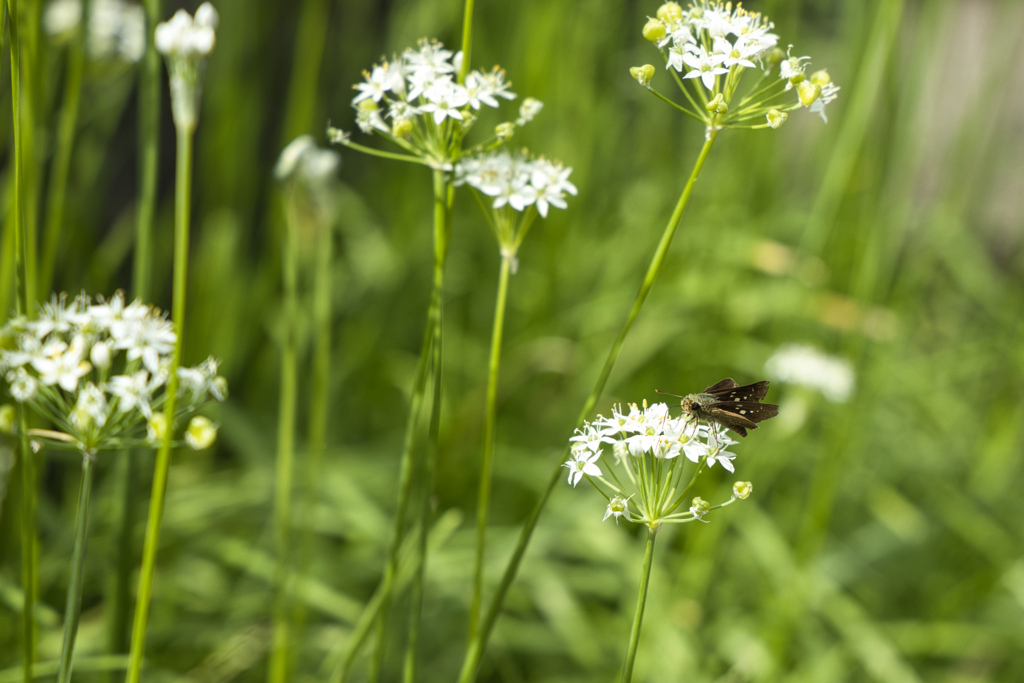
407	466
487	459
467	38
474	652
149	153
120	582
182	204
280	655
319	379
57	193
641	600
443	195
23	256
73	607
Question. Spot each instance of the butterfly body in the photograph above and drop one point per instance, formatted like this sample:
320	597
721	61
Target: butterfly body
728	404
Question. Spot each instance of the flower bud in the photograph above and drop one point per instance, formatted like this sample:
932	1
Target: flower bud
642	74
776	118
742	489
654	30
699	507
201	433
821	78
808	92
100	356
402	128
156	428
670	11
774	58
503	131
7	417
717	105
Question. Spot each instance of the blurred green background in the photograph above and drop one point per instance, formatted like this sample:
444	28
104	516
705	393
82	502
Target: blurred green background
883	541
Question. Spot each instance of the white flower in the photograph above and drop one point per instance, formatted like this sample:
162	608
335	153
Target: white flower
482	88
91	408
618	507
721	456
63	365
133	392
807	366
383	79
582	463
528	110
187	37
444	99
23	385
704	66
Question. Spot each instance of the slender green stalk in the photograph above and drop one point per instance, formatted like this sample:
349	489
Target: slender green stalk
319	380
474	652
73	607
119	583
182	203
57	190
280	656
487	459
406	469
128	495
443	197
641	600
467	38
303	89
149	154
23	257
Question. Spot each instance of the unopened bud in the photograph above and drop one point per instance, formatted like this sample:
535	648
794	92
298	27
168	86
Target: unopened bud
654	30
201	433
742	489
821	78
808	92
775	57
156	428
401	128
699	507
670	11
504	131
717	105
100	355
776	118
642	74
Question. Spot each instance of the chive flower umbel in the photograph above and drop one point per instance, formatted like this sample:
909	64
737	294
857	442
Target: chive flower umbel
716	44
644	461
98	373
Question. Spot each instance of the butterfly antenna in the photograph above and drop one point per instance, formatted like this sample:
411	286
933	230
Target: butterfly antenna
659	391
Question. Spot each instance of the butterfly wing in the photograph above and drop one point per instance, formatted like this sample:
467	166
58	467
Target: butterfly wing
721	386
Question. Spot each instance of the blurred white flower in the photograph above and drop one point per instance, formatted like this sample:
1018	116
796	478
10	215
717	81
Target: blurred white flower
807	366
117	28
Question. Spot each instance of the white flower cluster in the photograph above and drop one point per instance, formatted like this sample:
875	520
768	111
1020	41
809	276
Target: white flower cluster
646	444
422	82
716	42
117	28
99	371
517	181
809	367
304	161
185	36
186	42
710	38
